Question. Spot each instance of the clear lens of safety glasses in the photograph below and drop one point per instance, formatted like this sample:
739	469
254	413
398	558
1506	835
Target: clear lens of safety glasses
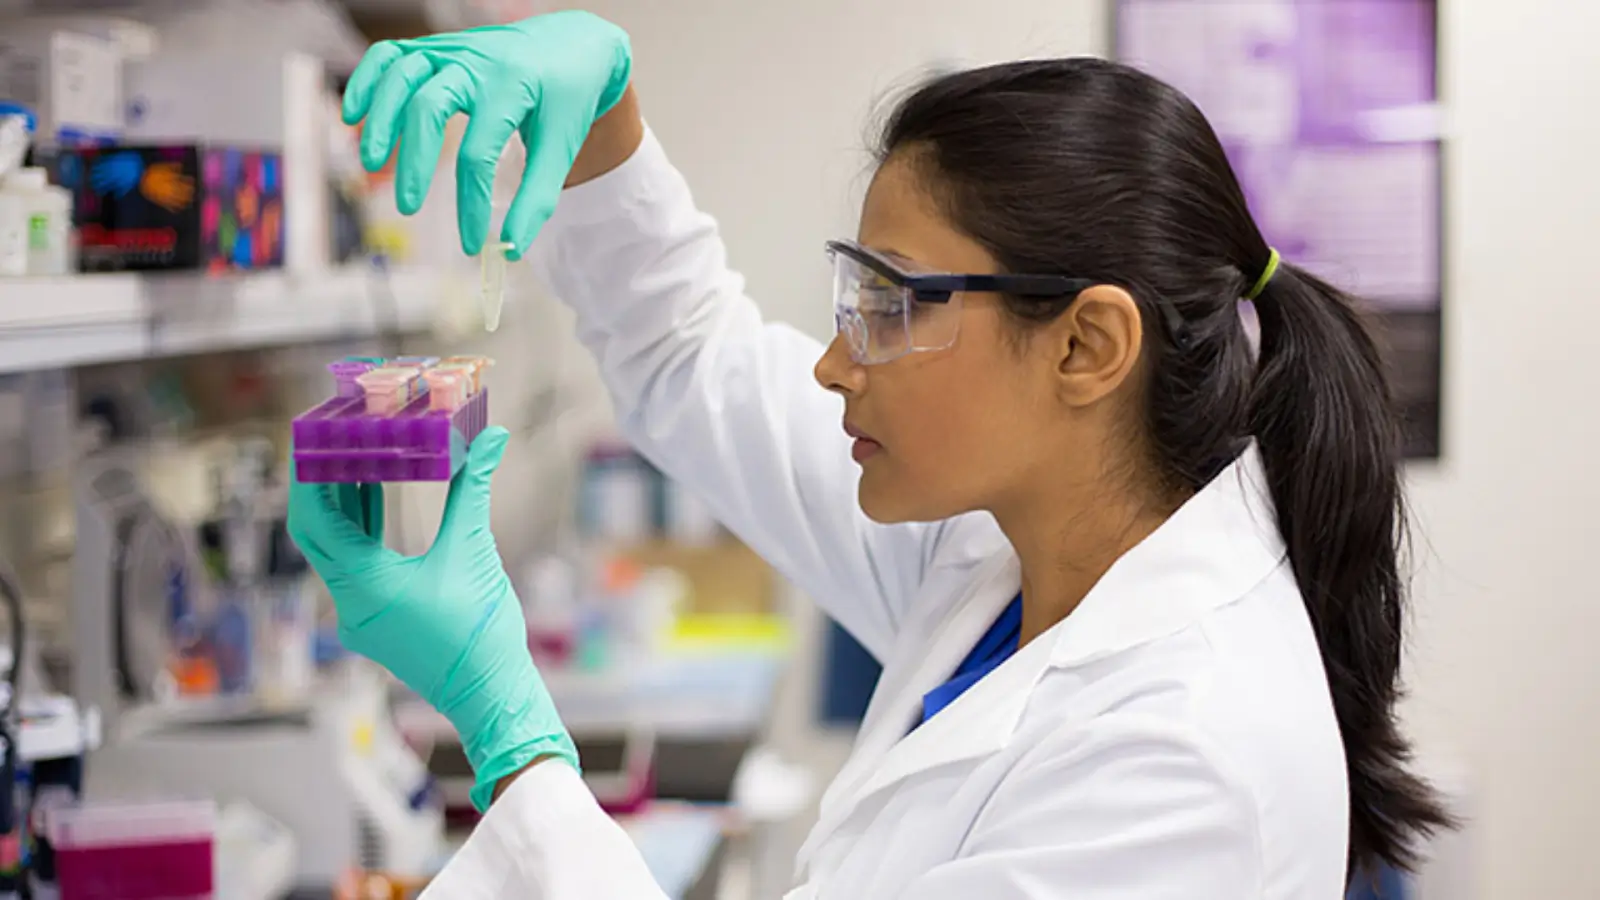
882	320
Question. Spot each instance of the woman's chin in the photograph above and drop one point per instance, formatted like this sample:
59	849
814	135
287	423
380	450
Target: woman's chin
888	503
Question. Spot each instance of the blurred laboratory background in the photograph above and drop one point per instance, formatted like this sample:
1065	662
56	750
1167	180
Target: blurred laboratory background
178	716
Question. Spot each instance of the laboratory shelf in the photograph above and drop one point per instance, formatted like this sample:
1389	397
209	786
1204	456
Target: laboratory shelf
76	320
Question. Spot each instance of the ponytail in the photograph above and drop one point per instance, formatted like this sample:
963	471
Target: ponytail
1325	423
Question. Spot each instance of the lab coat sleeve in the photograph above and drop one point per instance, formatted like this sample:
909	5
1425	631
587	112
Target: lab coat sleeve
1117	810
718	399
546	838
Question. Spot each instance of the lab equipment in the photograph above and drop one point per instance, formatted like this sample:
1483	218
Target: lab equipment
284	634
474	366
11	820
139	589
52	782
618	765
13	234
233	640
134	850
389	389
347	371
44	768
16	132
48	213
255	855
616	494
446	623
550	604
386	421
688	521
493	289
448	387
619	768
551	77
331	768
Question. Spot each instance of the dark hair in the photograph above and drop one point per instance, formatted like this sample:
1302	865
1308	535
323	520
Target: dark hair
1092	169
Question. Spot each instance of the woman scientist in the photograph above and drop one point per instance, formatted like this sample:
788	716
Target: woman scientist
1135	587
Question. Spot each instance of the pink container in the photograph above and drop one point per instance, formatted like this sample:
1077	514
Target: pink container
134	851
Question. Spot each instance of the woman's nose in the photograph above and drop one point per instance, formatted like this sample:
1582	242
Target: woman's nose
837	371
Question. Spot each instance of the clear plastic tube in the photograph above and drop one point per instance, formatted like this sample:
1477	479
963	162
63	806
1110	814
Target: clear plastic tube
493	289
448	387
389	388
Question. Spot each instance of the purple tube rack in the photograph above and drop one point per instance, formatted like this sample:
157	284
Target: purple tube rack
338	441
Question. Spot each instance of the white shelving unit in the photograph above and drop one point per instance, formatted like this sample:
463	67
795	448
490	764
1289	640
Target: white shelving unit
75	320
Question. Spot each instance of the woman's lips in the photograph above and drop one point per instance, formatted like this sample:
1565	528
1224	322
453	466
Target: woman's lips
864	447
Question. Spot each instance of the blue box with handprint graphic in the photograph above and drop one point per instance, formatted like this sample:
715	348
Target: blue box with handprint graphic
176	206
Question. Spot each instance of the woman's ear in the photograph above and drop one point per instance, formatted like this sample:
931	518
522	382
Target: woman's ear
1096	344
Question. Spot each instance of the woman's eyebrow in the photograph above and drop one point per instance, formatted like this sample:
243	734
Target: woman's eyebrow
908	262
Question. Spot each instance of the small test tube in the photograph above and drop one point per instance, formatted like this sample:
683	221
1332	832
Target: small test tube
390	388
476	364
492	292
346	375
468	373
448	387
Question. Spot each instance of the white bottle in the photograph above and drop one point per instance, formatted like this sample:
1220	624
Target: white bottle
49	215
13	234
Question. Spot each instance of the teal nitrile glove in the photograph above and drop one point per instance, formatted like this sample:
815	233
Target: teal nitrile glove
547	79
446	623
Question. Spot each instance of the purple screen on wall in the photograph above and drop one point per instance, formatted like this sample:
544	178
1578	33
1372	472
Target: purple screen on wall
1327	109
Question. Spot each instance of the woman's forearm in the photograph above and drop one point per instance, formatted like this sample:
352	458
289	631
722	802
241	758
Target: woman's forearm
612	139
505	783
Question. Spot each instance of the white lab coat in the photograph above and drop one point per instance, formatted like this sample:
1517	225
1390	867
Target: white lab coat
1172	739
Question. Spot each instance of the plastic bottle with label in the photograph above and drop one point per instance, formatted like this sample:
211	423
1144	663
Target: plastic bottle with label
13	235
16	131
49	218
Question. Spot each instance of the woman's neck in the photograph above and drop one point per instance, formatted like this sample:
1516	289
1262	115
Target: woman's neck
1066	540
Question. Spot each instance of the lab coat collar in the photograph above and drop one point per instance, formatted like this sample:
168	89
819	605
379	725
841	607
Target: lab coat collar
1211	552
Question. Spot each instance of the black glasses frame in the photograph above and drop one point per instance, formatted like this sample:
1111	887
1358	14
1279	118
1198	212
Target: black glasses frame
937	288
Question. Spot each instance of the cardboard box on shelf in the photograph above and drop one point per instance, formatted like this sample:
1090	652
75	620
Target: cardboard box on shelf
725	578
72	81
176	206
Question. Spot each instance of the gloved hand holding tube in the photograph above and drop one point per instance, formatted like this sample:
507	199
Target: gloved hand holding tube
546	79
446	623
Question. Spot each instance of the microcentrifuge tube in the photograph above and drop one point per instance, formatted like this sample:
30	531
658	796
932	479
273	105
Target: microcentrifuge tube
494	283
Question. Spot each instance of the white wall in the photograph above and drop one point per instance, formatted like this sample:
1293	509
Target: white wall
1503	676
765	107
1504	668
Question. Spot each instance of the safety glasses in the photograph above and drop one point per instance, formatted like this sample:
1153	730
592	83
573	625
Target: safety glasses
886	310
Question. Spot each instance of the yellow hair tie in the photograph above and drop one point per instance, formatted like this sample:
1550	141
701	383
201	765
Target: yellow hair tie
1270	270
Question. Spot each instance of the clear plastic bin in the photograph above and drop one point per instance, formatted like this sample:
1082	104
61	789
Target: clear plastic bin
134	851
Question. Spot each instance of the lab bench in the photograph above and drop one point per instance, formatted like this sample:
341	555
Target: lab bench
703	713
